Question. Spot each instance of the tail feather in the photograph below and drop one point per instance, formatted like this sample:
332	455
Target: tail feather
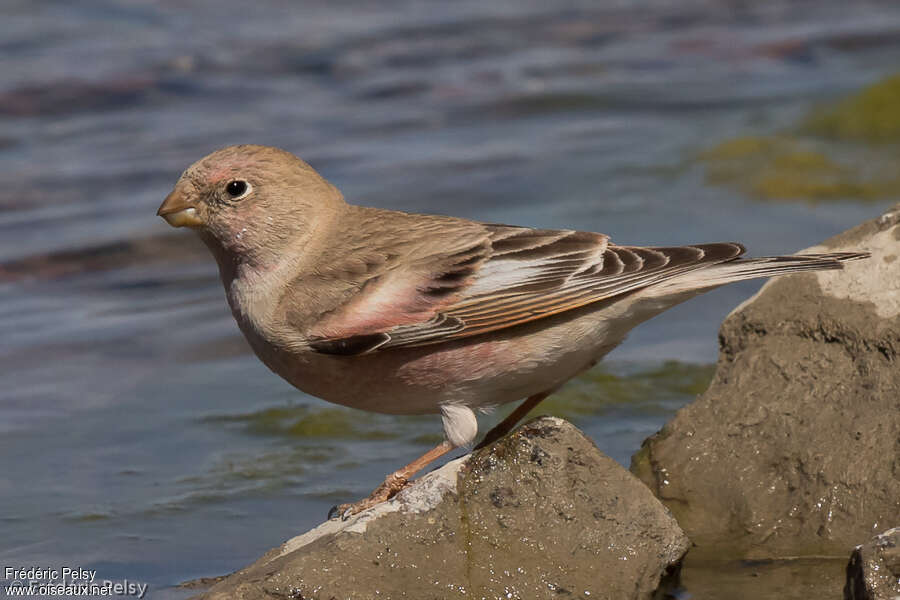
751	268
767	266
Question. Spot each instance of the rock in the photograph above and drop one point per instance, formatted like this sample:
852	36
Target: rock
794	450
539	514
874	569
712	578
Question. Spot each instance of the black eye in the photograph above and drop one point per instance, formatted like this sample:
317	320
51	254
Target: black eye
237	188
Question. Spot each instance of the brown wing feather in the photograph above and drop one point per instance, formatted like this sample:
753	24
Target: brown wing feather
629	271
517	275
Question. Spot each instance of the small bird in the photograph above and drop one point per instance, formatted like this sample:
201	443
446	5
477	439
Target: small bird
404	313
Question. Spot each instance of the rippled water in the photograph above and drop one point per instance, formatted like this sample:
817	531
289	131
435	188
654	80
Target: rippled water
139	436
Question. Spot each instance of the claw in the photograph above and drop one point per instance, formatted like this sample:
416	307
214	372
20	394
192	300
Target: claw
383	492
394	482
340	511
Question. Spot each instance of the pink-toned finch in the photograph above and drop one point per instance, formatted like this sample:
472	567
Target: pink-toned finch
408	314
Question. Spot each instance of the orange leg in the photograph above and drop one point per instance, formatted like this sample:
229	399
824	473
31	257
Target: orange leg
392	484
399	479
506	425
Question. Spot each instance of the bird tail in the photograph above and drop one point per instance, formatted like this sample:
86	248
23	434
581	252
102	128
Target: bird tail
751	268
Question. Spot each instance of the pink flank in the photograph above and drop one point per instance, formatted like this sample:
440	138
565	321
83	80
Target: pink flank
393	301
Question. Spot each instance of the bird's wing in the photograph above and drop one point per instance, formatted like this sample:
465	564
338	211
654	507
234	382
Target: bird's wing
503	277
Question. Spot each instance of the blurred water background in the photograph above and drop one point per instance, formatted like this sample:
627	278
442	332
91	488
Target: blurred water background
139	435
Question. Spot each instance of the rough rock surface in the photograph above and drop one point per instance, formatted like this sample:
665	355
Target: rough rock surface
539	514
795	447
874	569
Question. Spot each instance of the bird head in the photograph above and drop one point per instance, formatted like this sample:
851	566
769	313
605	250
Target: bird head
250	200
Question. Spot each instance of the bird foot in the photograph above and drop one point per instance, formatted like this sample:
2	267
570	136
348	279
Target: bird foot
387	490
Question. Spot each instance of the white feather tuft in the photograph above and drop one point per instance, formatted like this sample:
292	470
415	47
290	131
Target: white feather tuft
460	424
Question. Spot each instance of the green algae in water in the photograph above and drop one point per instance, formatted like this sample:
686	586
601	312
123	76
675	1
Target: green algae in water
264	474
782	167
642	466
270	465
847	151
89	515
652	389
871	116
302	421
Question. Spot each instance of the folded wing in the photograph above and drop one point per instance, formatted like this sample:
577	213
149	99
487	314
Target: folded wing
510	276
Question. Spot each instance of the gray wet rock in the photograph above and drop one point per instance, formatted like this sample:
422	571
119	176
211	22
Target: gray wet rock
541	513
874	569
794	450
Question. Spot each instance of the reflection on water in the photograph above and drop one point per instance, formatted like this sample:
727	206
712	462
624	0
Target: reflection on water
140	437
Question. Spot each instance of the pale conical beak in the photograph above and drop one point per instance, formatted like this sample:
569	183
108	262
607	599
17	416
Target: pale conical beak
178	212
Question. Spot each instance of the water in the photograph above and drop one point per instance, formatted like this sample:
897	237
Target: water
139	436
